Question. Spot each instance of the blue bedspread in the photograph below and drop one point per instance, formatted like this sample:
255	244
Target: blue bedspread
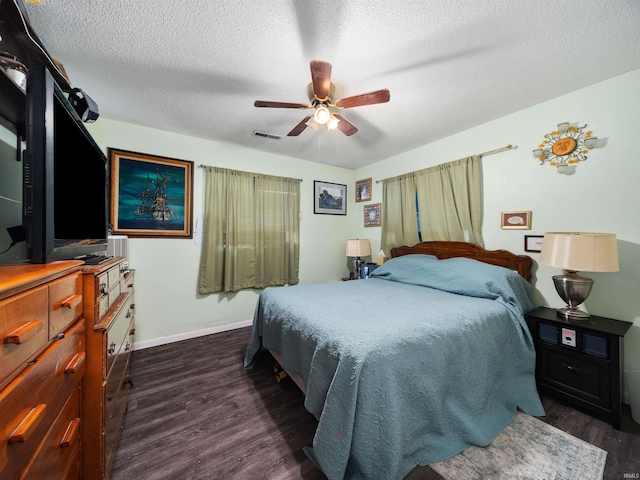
408	367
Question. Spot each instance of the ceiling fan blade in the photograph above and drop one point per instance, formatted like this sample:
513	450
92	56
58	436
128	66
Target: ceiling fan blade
345	126
297	130
268	104
321	78
379	96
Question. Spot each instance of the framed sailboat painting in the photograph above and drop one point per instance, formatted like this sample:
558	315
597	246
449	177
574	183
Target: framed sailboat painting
151	196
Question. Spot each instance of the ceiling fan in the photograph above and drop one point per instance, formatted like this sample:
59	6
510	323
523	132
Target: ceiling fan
320	92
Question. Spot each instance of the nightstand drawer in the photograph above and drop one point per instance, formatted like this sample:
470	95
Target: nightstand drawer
584	377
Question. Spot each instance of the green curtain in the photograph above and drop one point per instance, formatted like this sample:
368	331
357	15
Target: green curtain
277	230
251	231
449	199
399	214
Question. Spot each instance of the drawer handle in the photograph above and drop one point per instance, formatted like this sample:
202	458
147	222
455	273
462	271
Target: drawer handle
128	315
72	302
130	285
71	433
127	347
112	348
570	368
23	333
110	395
103	289
28	424
76	363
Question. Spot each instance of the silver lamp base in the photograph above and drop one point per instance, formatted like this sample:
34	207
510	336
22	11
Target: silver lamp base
574	290
356	268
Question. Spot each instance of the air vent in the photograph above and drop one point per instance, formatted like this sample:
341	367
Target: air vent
257	133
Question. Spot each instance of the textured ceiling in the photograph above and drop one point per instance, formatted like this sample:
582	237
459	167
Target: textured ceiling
196	67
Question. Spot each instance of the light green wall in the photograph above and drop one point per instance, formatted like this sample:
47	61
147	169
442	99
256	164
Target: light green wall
602	196
167	302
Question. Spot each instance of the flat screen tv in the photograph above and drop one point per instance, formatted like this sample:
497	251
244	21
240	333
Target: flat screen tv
65	178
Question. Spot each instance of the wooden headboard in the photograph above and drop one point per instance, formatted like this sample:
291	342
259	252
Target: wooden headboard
442	250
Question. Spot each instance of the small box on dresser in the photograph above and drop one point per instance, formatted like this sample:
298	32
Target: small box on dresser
110	309
580	361
42	362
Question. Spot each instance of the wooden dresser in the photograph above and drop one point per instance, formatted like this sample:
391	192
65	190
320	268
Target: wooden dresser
109	313
42	362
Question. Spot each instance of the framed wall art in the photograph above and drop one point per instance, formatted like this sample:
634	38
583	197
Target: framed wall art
363	190
151	196
372	215
329	198
533	243
516	220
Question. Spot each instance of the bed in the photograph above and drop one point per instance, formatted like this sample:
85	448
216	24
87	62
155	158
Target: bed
429	355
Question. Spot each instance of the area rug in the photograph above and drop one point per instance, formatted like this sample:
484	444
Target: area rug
528	449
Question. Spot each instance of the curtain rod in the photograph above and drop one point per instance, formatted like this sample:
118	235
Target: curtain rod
202	165
497	150
501	149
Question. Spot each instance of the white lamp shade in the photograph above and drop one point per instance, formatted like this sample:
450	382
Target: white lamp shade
580	251
358	248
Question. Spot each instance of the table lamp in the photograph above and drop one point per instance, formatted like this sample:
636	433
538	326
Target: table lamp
574	252
358	248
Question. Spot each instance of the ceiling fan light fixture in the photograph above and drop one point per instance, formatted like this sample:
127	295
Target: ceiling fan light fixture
312	123
322	114
332	124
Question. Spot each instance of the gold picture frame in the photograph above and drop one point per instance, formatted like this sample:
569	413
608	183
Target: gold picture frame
151	196
516	220
363	190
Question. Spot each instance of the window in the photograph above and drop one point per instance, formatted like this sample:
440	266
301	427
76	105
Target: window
251	236
443	202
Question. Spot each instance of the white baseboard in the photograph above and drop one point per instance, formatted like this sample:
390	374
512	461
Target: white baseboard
154	342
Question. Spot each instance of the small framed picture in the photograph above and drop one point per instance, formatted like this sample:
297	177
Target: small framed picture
516	220
533	243
372	215
329	198
363	190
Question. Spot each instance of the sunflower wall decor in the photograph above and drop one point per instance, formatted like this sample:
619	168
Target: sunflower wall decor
565	147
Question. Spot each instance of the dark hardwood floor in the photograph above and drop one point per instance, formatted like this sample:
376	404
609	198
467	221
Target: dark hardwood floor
196	414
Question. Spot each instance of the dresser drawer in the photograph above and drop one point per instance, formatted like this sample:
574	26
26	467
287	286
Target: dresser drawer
32	401
24	329
60	446
73	468
65	303
109	279
118	332
106	301
114	379
581	376
115	418
126	284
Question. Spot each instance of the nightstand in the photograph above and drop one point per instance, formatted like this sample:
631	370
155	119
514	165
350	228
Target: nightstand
580	360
